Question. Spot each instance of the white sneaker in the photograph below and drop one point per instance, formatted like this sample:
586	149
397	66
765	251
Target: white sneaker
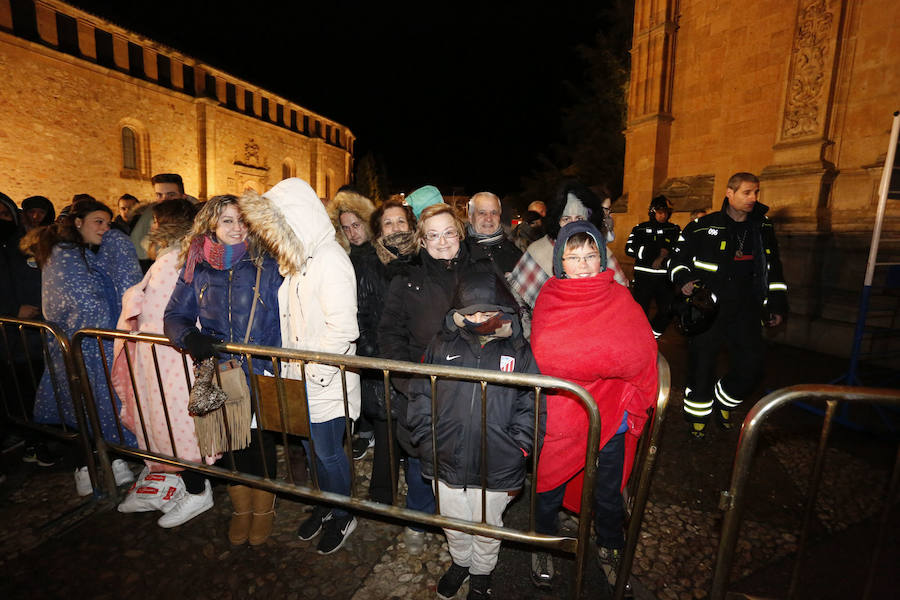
414	540
83	482
188	507
121	472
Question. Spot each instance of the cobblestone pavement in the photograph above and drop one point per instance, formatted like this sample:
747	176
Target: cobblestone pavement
54	544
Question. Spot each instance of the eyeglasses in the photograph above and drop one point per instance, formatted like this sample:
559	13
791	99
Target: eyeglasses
449	235
587	259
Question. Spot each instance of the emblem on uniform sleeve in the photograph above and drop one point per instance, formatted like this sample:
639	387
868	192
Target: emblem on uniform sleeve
508	363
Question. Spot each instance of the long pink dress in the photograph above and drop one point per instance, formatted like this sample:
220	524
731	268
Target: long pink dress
142	311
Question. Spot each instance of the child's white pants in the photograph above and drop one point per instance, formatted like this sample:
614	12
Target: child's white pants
477	552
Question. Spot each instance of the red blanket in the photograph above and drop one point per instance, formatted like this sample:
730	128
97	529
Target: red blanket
591	332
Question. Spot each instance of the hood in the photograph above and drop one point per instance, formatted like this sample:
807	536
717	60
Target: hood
568	231
556	205
42	203
11	206
290	219
759	210
482	291
350	201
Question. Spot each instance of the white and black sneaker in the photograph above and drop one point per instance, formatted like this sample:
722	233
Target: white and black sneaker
610	559
335	532
311	527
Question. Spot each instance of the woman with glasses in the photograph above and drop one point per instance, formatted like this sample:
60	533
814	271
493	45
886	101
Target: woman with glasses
418	299
587	329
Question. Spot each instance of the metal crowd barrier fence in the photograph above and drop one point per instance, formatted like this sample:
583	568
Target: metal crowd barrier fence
29	349
288	408
734	499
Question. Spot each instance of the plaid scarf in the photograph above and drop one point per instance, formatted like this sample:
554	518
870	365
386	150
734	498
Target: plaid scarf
219	256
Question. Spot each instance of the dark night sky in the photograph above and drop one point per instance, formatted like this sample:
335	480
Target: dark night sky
455	94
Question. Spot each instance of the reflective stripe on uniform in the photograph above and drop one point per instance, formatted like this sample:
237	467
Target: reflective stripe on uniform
649	270
724	398
675	270
711	267
777	286
641	252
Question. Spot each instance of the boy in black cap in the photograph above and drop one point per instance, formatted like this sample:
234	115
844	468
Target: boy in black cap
481	331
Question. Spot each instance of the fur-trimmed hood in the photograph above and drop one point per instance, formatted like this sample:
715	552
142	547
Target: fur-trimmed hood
556	205
290	219
350	201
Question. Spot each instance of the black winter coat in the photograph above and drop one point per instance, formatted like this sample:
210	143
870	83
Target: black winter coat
504	254
419	296
509	418
371	286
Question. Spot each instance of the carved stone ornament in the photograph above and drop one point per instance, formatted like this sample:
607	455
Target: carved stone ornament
809	68
251	156
689	192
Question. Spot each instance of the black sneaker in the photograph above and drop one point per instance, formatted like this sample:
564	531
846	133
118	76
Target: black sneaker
542	571
361	446
337	530
451	581
480	587
311	527
40	454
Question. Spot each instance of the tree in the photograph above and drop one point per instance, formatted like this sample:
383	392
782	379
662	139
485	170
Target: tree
371	179
592	145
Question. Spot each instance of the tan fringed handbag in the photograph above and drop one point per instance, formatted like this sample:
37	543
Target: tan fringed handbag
212	405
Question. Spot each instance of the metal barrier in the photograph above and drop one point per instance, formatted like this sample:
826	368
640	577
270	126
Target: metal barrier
24	371
538	383
733	500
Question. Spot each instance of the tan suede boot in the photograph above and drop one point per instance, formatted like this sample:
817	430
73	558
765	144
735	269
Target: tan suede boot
242	515
263	516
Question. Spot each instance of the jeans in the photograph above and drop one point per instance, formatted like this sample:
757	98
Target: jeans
609	513
419	495
331	460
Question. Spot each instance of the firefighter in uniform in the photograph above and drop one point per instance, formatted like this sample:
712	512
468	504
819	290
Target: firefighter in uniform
651	244
734	253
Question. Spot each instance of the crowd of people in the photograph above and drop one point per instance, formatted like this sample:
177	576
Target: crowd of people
410	280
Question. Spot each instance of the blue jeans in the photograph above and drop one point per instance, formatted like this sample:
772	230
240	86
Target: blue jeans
609	513
419	495
331	461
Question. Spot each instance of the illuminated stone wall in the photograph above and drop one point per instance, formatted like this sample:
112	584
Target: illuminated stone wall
799	92
72	82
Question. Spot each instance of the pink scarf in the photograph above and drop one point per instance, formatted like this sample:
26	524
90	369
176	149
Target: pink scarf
217	255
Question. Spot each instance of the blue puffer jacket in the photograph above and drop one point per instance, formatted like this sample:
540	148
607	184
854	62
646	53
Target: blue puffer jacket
222	300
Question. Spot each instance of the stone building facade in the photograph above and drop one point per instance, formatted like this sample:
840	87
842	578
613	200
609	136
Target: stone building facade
89	107
802	94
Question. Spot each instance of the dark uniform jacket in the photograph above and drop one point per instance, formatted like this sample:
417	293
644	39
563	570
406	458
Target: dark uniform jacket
706	250
645	242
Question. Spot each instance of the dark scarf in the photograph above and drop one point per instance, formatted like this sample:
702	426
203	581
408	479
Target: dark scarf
217	255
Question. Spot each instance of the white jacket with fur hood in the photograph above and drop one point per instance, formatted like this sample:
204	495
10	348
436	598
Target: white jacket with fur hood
318	297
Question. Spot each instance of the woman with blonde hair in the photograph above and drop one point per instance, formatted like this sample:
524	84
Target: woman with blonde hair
224	264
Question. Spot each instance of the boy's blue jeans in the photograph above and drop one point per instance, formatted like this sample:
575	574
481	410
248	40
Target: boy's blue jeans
419	495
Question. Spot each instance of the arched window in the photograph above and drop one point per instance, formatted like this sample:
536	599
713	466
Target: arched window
287	169
129	149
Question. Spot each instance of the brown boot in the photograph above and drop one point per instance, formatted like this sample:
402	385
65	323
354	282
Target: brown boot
242	515
263	516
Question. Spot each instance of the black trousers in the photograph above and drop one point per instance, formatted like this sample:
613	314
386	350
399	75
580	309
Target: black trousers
739	329
649	287
381	488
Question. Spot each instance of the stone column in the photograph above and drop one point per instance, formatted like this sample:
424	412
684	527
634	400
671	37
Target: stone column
649	100
799	180
206	146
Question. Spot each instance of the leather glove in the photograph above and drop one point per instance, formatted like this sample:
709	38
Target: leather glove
200	346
